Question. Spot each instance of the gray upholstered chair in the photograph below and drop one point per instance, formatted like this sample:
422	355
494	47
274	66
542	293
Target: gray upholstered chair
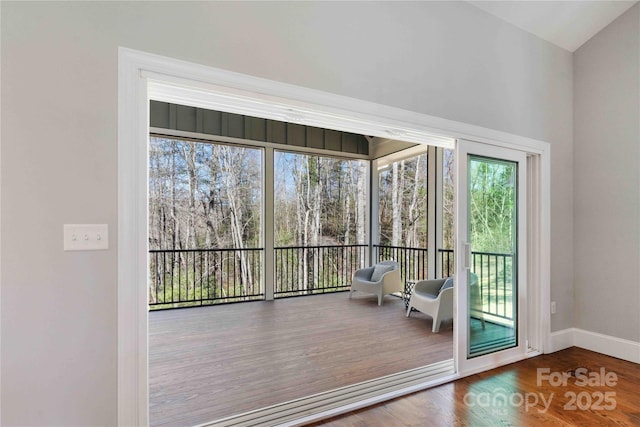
381	279
433	298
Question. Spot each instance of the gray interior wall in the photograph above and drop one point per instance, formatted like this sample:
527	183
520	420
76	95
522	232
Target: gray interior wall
607	180
59	136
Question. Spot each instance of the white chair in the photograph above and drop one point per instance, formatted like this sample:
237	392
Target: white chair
476	309
381	279
433	299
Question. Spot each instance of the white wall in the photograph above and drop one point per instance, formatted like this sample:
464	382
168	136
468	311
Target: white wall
59	68
607	180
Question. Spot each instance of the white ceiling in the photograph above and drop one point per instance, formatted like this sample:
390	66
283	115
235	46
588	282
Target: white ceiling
568	24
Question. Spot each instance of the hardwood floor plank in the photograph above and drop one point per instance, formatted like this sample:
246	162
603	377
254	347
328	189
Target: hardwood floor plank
446	404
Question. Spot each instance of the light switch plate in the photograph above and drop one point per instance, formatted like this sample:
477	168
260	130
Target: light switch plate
86	237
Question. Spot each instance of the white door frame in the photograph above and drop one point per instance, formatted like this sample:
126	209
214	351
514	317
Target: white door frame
143	76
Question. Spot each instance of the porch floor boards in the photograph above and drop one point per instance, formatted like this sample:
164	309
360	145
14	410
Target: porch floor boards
207	363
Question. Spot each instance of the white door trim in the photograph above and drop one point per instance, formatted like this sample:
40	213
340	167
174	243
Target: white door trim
142	75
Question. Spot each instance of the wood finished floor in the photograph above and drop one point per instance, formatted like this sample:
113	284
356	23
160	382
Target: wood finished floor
211	362
445	405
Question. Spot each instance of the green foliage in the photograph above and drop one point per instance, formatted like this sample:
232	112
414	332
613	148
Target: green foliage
202	277
492	205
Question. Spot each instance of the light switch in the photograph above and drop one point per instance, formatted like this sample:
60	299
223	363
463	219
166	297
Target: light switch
86	237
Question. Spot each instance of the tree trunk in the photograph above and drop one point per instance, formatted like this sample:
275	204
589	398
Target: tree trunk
396	205
411	239
232	187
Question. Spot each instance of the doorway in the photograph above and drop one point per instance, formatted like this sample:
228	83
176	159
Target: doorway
206	253
142	76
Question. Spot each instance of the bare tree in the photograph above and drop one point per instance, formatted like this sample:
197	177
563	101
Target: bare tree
204	196
234	192
397	187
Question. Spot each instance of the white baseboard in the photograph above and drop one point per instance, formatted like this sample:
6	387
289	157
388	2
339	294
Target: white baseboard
600	343
560	340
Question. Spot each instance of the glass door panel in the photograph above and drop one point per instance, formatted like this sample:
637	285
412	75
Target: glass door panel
492	201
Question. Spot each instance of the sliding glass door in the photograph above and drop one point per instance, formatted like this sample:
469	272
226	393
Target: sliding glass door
491	285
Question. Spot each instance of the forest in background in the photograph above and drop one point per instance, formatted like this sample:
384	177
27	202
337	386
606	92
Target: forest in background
205	221
206	195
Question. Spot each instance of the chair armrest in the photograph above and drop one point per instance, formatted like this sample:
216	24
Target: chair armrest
429	286
390	273
391	281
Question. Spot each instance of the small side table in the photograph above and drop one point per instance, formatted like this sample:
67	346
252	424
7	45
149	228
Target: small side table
408	290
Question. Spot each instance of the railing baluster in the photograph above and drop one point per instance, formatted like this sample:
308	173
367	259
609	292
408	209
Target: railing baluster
201	277
329	268
164	277
504	285
173	263
179	277
200	269
186	273
194	275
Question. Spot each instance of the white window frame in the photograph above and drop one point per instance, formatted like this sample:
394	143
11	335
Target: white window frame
143	76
